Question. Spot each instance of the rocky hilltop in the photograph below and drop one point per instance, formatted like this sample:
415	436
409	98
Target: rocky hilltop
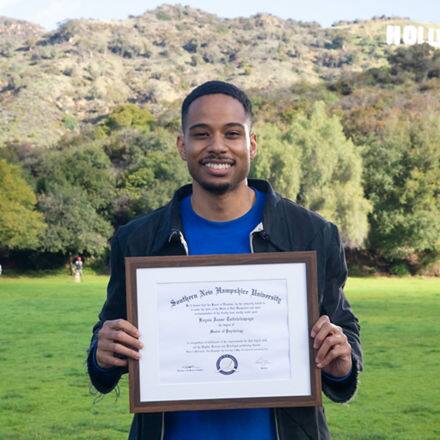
18	30
51	82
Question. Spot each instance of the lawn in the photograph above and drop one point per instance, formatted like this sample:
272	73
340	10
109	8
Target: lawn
45	330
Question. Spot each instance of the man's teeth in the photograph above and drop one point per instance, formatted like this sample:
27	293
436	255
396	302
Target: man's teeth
218	166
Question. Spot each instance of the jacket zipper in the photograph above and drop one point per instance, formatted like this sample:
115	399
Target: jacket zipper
183	242
162	434
257	228
276	423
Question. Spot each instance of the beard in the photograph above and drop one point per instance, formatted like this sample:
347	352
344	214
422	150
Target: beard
217	189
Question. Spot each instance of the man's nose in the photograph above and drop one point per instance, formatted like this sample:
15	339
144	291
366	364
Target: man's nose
217	143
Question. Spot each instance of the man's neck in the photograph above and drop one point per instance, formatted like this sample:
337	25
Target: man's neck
222	207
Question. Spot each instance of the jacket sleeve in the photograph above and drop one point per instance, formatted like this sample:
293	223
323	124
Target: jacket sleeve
335	305
114	308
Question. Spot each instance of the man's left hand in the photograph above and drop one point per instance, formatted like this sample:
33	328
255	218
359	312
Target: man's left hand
333	351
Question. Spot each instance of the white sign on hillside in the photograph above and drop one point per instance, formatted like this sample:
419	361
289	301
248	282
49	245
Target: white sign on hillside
411	35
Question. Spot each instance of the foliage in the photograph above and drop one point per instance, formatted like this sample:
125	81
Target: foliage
85	167
149	170
331	173
130	45
402	180
314	164
419	62
21	226
57	88
277	160
400	269
94	179
129	115
74	225
70	122
76	187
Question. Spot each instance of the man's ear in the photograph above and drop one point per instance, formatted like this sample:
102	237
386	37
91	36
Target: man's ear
253	148
180	144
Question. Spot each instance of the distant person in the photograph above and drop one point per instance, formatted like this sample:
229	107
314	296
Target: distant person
1	269
78	268
224	212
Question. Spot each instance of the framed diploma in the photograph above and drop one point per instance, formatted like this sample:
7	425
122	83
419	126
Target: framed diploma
223	331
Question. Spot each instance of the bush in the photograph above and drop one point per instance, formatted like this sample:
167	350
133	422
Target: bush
129	115
400	269
70	122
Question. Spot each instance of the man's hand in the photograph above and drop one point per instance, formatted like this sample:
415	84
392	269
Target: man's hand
117	340
333	351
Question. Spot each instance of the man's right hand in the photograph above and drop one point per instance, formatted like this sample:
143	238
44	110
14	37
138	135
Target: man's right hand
117	341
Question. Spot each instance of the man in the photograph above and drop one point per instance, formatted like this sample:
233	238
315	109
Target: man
224	212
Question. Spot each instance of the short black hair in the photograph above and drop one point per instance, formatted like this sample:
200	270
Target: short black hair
211	87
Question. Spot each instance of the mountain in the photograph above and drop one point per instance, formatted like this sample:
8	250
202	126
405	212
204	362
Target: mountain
17	31
51	82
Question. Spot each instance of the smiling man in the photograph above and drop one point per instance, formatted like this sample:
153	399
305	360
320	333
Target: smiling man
224	212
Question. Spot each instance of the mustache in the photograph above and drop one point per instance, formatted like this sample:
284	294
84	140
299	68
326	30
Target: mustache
217	158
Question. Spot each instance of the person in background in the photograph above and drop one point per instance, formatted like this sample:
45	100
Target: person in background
78	266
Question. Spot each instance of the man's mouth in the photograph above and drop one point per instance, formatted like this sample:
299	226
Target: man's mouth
218	166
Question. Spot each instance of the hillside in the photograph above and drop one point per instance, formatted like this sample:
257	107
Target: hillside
16	32
52	82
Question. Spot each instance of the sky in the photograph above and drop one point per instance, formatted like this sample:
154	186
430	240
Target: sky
48	13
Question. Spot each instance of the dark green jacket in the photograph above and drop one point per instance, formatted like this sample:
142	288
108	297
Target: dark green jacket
286	226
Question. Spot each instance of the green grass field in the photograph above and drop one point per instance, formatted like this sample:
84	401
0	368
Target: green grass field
45	330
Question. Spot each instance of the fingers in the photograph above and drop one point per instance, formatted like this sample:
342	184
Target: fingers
319	323
337	352
107	360
117	338
332	347
125	339
122	324
116	348
328	344
322	329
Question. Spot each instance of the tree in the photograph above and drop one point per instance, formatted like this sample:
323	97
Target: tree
149	170
129	115
277	160
331	182
74	225
86	167
76	186
418	61
21	226
402	180
316	165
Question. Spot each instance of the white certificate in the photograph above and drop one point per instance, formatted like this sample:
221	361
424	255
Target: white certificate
222	335
223	330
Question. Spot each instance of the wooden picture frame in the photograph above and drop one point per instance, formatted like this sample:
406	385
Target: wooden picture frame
158	382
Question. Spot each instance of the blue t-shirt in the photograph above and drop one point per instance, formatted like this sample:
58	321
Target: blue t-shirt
230	237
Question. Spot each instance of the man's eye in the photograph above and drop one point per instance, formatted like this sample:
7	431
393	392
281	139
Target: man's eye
233	133
200	135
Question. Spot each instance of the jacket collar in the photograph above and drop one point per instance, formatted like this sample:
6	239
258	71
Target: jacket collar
272	216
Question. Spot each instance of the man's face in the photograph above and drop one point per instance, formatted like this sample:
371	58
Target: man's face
216	143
